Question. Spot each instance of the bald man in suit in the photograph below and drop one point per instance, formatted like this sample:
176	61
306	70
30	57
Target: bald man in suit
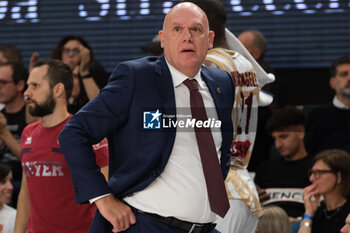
157	183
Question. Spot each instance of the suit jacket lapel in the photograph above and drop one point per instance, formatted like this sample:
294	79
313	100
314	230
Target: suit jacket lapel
165	86
215	90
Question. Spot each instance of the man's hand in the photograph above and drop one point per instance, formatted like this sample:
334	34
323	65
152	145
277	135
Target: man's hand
116	212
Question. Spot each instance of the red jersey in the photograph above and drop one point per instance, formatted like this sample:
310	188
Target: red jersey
52	205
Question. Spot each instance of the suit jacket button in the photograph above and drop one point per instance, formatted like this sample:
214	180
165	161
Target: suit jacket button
154	173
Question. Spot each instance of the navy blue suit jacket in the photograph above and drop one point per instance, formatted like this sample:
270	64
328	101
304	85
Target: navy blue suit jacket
137	156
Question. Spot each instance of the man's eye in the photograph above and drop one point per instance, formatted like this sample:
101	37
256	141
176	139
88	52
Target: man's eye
196	31
177	31
343	74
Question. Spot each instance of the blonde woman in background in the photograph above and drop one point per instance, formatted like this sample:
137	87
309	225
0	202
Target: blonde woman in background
273	220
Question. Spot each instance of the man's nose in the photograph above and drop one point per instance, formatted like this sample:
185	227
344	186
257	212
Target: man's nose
187	35
26	93
278	143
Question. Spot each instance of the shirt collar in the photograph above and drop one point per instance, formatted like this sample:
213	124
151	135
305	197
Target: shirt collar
179	77
338	104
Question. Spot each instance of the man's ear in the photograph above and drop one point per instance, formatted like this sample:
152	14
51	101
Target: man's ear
161	38
256	53
332	83
58	90
301	131
211	39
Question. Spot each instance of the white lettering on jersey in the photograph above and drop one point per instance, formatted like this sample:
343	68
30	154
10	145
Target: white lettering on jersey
42	168
28	141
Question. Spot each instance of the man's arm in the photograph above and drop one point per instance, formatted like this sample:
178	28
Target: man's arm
104	171
23	208
100	117
7	137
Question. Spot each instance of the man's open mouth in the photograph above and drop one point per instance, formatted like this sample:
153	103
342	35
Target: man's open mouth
188	51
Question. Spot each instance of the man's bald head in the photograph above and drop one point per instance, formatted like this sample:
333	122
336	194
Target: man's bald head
186	38
185	6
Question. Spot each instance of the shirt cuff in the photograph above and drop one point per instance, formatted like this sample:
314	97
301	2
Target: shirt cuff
92	200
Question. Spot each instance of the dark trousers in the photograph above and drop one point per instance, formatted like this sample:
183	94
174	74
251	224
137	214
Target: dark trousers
144	224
